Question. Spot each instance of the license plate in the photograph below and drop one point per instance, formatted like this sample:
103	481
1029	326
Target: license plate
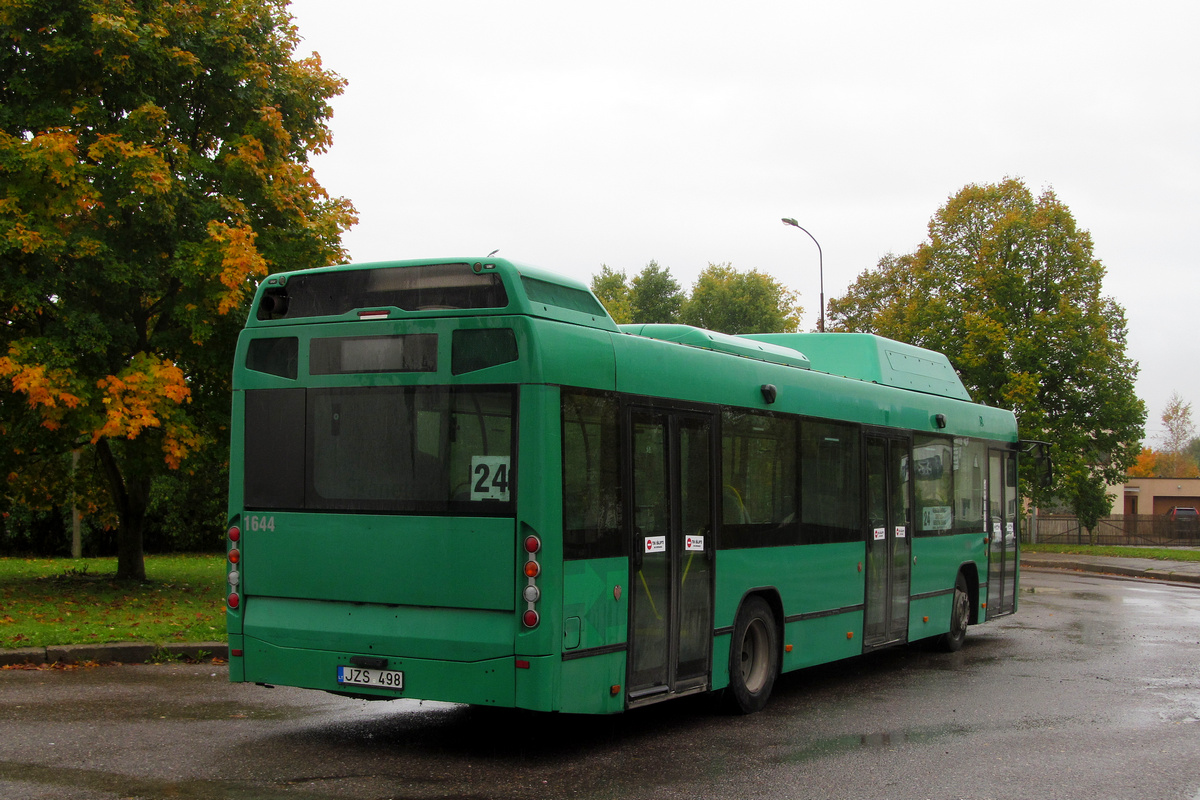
379	678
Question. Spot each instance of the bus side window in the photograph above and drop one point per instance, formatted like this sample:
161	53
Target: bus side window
830	482
758	480
970	457
933	467
591	476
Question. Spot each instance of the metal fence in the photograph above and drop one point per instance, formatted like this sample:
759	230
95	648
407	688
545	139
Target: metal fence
1119	529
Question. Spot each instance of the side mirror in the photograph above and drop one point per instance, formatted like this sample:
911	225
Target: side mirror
1043	466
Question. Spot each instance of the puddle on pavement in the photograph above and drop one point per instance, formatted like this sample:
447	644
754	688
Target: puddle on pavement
1097	596
823	748
118	708
1048	590
121	785
1147	603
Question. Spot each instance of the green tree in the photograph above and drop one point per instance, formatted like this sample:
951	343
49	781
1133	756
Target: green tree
1008	288
729	301
655	296
153	165
1088	497
869	303
612	289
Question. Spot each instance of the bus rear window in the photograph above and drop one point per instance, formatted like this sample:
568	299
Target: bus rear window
553	294
383	449
426	287
275	356
414	352
473	350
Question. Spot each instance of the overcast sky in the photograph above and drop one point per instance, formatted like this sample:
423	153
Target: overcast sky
571	135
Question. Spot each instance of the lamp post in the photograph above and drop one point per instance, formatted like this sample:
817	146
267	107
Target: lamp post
821	267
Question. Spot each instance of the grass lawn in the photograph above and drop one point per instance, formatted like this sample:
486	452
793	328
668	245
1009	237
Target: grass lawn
1161	553
50	601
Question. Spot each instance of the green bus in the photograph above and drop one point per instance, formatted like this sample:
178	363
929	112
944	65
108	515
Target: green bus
460	480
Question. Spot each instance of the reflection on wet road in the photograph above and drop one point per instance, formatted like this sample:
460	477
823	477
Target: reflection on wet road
1091	690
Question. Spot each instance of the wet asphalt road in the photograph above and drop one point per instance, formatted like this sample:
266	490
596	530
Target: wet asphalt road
1091	691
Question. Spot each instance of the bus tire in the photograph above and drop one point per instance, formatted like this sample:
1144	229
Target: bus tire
753	657
960	617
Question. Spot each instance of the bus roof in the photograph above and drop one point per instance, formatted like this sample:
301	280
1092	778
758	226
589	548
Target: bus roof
861	356
422	288
867	357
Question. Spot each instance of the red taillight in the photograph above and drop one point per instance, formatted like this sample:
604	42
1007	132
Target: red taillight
530	618
234	534
234	599
532	544
234	556
532	569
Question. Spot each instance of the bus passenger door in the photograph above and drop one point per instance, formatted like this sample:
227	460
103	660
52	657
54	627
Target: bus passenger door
671	553
1002	533
889	547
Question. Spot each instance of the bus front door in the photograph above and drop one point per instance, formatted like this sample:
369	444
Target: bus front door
888	535
671	553
1002	533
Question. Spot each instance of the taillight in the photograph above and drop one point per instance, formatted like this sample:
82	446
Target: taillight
531	569
233	577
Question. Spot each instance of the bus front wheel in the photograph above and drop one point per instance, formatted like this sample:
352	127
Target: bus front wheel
960	617
753	657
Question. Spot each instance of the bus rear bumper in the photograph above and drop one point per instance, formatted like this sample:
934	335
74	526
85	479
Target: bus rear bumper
486	682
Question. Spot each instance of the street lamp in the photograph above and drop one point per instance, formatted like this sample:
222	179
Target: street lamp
821	266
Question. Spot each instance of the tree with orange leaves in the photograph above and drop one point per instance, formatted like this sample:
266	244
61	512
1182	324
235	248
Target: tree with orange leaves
153	166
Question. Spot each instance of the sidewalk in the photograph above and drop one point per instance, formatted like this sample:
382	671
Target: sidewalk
1145	568
122	652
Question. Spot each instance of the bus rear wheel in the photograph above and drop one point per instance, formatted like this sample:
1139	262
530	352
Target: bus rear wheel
960	617
753	657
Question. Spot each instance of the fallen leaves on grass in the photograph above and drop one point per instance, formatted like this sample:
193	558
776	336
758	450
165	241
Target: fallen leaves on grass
59	665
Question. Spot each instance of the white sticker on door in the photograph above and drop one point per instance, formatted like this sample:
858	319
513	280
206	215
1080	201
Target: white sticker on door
694	544
880	534
490	478
900	530
656	544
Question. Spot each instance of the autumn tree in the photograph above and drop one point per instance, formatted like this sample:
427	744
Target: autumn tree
1146	465
1175	460
1007	286
153	165
726	300
1176	456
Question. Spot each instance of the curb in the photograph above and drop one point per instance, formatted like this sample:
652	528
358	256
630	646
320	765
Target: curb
1113	569
118	652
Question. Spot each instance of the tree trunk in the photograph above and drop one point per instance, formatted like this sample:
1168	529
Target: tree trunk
130	495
